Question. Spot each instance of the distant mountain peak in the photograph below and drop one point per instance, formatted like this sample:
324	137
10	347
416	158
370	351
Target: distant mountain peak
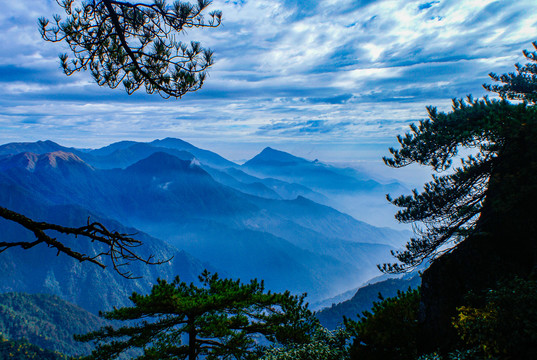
268	151
64	161
31	161
164	162
38	147
270	156
109	149
172	142
303	199
48	142
38	142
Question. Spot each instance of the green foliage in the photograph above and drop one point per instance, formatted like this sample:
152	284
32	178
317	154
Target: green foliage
501	322
322	345
46	321
134	44
521	84
221	319
499	135
389	331
19	350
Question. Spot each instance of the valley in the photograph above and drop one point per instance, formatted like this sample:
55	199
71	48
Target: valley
262	219
269	219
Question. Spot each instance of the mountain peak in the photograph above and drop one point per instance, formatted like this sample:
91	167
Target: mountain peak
38	147
163	162
270	156
109	149
26	160
172	142
31	161
61	160
204	156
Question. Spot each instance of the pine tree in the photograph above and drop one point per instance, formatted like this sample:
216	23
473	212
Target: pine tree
134	44
222	318
478	219
493	181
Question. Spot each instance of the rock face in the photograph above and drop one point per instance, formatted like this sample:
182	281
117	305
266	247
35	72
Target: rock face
445	283
476	264
504	247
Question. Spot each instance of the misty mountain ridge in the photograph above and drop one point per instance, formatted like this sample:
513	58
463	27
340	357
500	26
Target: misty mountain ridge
347	189
313	174
126	156
267	174
164	163
226	217
272	186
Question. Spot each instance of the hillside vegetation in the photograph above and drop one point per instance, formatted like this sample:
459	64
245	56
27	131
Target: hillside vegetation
46	321
21	350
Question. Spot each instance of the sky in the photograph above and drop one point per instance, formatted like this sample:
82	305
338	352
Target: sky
336	80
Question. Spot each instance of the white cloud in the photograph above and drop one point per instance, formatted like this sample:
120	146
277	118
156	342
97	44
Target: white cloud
388	59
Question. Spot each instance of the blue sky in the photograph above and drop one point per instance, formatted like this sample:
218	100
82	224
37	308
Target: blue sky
334	79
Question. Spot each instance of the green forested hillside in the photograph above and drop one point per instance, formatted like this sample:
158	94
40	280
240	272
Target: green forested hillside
21	350
45	321
332	317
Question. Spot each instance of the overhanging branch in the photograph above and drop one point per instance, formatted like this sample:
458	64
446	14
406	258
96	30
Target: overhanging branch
118	247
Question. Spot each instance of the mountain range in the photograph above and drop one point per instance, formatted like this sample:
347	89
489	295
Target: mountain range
261	219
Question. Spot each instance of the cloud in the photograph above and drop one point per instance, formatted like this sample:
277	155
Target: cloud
298	128
337	71
337	99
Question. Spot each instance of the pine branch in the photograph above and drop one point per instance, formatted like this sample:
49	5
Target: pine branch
134	44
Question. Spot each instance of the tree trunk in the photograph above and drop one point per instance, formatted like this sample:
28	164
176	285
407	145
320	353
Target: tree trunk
192	334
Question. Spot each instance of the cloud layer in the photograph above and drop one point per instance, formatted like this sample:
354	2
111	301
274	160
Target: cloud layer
287	72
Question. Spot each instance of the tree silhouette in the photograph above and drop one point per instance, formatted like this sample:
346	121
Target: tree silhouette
221	319
134	44
492	183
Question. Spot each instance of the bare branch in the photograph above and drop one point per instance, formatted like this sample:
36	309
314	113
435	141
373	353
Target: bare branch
119	248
